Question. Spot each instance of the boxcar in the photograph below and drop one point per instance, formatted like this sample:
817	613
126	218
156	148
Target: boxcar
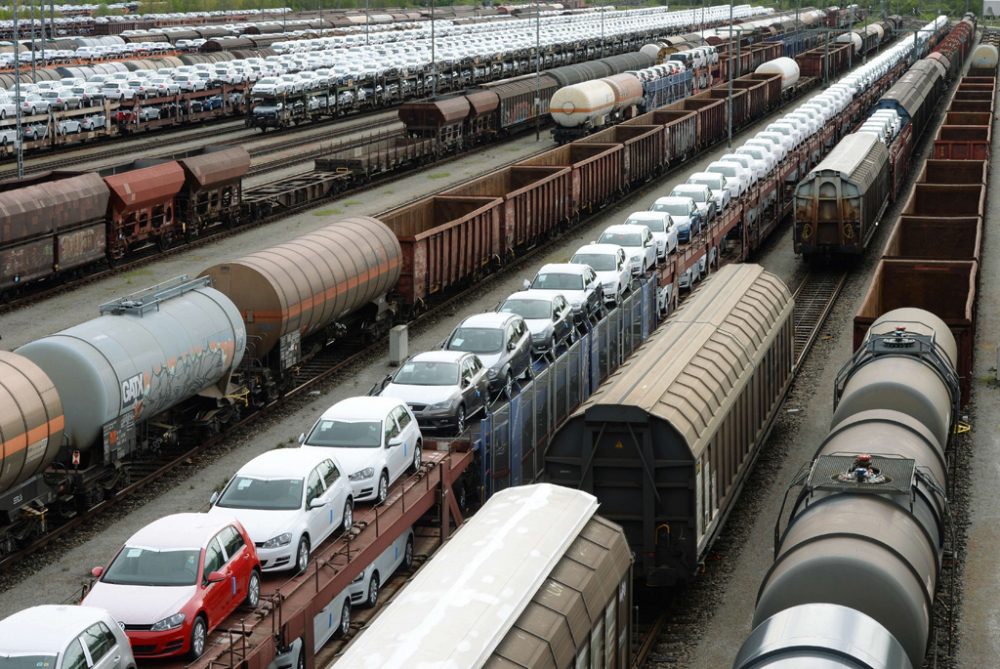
667	441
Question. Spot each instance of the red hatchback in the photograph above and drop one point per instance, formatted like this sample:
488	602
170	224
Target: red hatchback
175	580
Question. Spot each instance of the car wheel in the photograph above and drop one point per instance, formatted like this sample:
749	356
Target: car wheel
345	618
383	488
508	386
348	521
408	553
302	555
199	631
3	113
460	420
373	585
32	112
253	589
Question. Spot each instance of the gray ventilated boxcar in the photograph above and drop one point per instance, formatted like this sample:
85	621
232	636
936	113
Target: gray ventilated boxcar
839	203
145	354
666	442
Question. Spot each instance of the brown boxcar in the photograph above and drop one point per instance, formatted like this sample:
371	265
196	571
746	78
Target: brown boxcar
212	186
711	116
933	238
741	103
536	201
946	288
141	208
946	200
680	132
755	92
963	142
982	106
643	148
598	171
517	98
953	172
772	86
295	289
446	240
50	222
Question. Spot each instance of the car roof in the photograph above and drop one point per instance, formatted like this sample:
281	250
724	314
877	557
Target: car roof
561	267
540	295
675	199
620	227
648	214
362	408
601	248
489	319
690	187
440	356
47	628
291	462
179	530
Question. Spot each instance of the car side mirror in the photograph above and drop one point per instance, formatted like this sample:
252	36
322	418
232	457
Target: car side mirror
555	317
215	577
316	503
511	345
466	382
395	441
302	437
214	498
97	572
526	284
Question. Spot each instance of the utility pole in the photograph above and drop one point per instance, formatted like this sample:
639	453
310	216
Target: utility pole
31	6
538	72
17	94
367	19
434	68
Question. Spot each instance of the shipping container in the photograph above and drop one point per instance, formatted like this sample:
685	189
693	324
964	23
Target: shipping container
946	288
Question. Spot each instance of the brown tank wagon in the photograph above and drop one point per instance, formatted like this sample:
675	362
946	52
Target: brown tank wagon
295	289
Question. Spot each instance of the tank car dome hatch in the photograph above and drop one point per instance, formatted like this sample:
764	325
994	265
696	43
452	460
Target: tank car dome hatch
146	353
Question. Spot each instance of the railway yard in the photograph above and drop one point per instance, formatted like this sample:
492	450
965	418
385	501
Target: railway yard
765	437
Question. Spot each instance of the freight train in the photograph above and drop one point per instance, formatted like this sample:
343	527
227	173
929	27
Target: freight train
195	356
839	204
857	564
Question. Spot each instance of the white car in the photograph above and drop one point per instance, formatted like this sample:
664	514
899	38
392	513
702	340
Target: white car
268	86
776	148
7	107
64	637
661	226
117	90
611	264
577	283
683	211
762	150
638	243
737	177
376	439
717	183
785	141
289	500
702	196
787	130
756	166
366	587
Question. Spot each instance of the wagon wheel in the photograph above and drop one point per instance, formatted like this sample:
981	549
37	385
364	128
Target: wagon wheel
164	241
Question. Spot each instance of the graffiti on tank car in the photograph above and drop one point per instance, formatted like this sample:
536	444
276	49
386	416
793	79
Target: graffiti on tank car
132	390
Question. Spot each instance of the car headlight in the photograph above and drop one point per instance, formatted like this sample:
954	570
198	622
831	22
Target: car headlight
610	285
280	540
440	406
169	623
365	473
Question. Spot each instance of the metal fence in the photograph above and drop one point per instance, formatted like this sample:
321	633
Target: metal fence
514	435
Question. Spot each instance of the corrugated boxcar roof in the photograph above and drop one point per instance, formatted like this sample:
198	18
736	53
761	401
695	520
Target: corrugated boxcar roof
912	88
483	102
137	188
858	158
215	167
686	372
52	204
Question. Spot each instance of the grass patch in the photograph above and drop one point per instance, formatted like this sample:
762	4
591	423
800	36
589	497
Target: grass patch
351	203
333	211
439	175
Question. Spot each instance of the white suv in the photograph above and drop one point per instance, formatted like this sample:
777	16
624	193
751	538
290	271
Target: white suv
289	500
376	439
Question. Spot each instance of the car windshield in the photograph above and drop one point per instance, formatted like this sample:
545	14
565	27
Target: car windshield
698	195
346	433
653	225
247	492
27	661
601	262
720	169
676	209
427	374
476	340
558	281
621	239
136	565
528	308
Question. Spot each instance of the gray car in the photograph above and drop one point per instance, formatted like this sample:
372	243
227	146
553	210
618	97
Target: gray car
503	344
442	388
548	316
64	637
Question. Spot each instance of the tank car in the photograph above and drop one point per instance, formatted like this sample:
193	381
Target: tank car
316	283
657	443
80	402
867	532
